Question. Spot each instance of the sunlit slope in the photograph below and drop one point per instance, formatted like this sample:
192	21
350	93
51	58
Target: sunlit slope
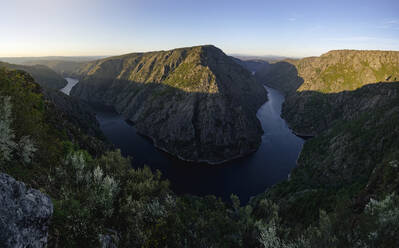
196	102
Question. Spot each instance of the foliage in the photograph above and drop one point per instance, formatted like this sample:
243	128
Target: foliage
43	75
95	196
22	150
382	218
7	143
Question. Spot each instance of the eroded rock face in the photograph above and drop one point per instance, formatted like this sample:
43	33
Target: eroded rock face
195	103
24	214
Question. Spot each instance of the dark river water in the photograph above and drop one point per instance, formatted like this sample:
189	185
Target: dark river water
244	177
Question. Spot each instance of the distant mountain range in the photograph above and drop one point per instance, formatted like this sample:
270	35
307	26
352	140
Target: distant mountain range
29	60
269	58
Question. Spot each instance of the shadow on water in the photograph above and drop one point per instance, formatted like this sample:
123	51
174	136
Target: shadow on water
245	177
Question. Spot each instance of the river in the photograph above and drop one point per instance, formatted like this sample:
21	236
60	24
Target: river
71	82
245	177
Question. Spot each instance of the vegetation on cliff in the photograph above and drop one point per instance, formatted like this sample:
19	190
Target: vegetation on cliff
332	72
97	196
195	103
352	159
341	70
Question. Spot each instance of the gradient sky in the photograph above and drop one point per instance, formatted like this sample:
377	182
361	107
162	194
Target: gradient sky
109	27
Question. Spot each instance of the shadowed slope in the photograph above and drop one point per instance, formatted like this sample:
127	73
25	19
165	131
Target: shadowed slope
42	74
195	103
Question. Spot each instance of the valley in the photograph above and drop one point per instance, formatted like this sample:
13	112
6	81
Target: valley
232	157
270	164
199	124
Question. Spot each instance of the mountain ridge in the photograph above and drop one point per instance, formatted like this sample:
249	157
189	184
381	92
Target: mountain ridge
43	75
196	103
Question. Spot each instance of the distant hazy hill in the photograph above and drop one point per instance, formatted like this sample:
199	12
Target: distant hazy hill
195	103
42	74
24	60
268	58
63	65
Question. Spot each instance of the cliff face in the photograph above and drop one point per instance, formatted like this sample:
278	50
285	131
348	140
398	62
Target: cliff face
195	103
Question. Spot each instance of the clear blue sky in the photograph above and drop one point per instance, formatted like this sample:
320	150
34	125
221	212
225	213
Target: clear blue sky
108	27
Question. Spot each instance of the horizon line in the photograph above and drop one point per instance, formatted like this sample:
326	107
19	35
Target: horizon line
233	54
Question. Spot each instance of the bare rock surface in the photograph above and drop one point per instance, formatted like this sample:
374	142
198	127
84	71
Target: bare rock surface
24	214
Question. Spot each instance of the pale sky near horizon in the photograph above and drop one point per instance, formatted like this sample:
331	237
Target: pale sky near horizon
110	27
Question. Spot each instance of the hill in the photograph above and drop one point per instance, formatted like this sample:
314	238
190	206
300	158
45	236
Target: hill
42	74
63	68
347	102
316	87
332	72
195	103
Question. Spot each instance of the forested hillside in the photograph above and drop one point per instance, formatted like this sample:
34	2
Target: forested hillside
42	74
99	198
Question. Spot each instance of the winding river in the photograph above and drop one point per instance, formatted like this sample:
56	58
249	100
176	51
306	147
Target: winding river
245	177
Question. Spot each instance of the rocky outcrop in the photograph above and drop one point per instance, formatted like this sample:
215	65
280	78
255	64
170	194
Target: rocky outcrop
24	214
195	103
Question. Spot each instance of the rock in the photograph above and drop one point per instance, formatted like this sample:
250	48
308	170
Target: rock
24	214
109	240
